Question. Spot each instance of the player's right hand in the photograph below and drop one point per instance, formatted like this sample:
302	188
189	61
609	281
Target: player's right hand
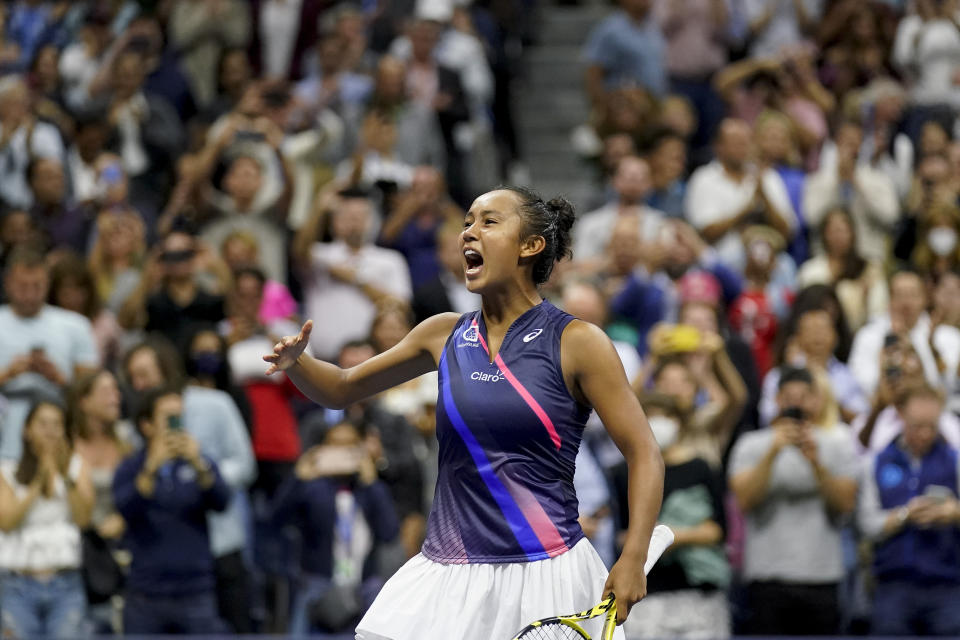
286	352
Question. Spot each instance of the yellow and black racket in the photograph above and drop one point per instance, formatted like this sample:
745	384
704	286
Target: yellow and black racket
566	627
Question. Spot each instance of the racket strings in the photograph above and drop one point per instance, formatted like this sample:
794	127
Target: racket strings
552	631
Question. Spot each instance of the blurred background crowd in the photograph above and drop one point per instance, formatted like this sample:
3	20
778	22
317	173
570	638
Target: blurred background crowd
769	198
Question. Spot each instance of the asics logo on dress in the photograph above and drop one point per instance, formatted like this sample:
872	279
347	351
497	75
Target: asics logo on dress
479	376
533	334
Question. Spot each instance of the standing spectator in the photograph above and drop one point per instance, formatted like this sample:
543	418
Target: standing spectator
909	508
349	276
282	32
728	194
25	138
687	588
42	347
774	24
212	418
201	32
72	288
45	500
696	33
927	50
938	346
860	285
626	49
946	298
63	223
344	514
164	493
793	482
116	257
856	186
776	141
667	158
447	291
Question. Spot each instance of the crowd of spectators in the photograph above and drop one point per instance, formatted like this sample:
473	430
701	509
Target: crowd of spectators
771	242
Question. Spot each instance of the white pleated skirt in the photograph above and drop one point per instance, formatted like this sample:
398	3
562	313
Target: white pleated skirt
426	600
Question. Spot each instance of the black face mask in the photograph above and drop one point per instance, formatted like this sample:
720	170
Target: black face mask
205	363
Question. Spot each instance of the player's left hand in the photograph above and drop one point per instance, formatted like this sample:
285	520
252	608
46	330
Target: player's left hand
628	583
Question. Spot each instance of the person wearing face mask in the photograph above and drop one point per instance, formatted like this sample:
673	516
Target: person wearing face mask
686	590
936	250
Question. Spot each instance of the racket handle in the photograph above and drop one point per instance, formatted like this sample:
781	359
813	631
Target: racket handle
661	538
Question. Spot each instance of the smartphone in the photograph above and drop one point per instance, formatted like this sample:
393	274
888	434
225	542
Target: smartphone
174	423
937	493
794	413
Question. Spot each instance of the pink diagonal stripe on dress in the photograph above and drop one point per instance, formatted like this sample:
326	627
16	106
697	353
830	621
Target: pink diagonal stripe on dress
516	384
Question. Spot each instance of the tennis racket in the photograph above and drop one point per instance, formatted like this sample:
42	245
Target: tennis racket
566	627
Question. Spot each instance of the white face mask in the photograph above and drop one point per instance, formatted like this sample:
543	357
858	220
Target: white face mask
942	240
665	430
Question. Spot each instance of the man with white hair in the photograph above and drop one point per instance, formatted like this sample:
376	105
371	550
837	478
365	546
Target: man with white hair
23	138
347	278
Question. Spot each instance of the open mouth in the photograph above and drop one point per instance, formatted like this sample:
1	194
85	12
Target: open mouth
474	262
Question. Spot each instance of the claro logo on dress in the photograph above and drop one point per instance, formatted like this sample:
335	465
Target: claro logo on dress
479	376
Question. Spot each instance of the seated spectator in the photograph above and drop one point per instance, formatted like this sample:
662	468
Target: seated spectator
169	299
686	590
728	194
213	419
857	187
667	159
938	347
909	509
241	250
626	49
859	284
27	138
811	344
72	288
593	231
346	278
45	500
116	257
344	514
793	482
937	250
164	493
900	368
63	223
42	348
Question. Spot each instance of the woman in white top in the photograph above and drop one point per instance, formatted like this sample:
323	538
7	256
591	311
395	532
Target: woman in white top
45	499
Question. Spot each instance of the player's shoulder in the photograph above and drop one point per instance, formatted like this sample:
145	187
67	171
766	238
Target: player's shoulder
586	342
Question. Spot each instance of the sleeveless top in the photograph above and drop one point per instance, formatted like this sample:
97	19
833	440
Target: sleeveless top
508	435
48	538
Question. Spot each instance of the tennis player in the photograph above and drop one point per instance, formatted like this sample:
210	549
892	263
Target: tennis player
517	381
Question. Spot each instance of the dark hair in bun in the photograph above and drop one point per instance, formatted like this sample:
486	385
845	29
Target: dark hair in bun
553	220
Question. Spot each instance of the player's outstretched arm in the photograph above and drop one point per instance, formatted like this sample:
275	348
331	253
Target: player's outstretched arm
600	380
333	387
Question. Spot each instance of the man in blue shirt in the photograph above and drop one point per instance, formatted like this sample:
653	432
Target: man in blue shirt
164	492
626	49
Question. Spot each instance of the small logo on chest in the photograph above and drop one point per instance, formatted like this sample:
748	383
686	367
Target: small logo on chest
470	337
533	334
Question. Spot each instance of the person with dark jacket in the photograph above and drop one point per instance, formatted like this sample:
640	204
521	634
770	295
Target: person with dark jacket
343	513
164	493
909	508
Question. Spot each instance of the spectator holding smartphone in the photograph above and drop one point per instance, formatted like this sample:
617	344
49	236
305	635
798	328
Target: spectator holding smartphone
909	509
164	493
793	483
343	513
